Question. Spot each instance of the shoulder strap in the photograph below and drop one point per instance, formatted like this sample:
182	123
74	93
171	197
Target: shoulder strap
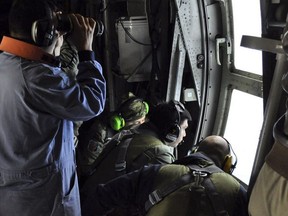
119	138
158	195
197	175
120	164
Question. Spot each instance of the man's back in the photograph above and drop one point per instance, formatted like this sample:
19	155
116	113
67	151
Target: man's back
197	188
193	199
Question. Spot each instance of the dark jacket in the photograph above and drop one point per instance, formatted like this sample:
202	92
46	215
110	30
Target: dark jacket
134	188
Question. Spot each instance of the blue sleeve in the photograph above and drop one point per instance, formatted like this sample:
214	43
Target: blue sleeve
64	97
128	190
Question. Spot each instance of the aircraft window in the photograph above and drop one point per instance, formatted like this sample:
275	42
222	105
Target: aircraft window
243	129
247	21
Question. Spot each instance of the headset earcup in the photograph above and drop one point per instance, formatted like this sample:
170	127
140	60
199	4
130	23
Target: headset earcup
146	107
172	134
117	122
43	32
227	164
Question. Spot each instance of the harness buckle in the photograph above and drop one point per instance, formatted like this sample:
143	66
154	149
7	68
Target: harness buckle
199	176
120	166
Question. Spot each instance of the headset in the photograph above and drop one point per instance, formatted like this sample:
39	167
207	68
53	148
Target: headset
228	166
43	31
117	122
174	129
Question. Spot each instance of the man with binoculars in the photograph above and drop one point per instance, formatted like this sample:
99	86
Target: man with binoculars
39	103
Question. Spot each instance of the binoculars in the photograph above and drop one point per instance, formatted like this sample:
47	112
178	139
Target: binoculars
64	24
